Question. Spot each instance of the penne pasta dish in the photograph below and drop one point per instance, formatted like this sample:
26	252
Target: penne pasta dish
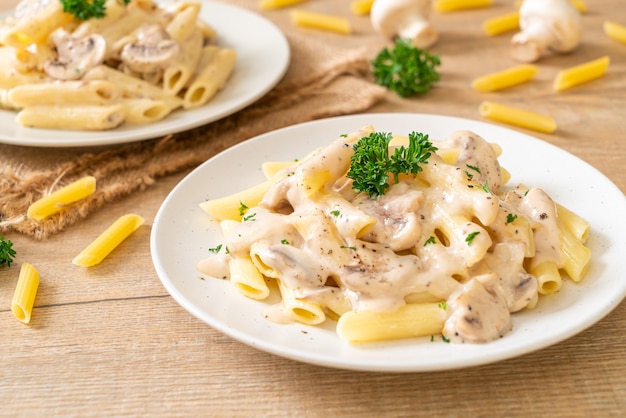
397	237
136	63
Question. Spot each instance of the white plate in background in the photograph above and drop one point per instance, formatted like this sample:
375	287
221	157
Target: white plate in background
263	56
182	234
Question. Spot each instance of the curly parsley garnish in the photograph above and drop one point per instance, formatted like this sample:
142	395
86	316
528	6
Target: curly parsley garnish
371	163
87	9
7	253
430	240
510	217
405	69
470	237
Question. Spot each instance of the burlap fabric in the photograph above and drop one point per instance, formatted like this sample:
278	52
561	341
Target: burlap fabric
321	81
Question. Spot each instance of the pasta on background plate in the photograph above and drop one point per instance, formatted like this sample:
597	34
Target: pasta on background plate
397	237
136	64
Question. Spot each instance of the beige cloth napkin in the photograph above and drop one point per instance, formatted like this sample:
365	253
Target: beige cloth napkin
322	81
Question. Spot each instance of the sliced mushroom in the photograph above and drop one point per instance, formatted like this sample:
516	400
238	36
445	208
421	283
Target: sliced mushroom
152	51
75	56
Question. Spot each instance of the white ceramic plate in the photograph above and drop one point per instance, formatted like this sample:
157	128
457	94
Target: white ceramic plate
182	234
263	57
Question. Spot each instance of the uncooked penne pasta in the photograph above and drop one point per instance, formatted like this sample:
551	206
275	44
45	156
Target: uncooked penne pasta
321	21
211	79
277	4
108	240
615	31
93	92
410	321
517	117
87	118
25	292
505	78
54	202
454	5
361	7
583	73
501	24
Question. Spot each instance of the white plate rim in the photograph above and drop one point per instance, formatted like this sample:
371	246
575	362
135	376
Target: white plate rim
533	330
262	61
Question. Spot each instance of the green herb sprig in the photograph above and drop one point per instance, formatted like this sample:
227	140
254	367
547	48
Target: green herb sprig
7	253
87	9
405	69
371	164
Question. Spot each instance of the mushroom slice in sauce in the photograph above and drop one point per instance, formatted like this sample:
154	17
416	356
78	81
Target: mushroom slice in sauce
75	56
153	50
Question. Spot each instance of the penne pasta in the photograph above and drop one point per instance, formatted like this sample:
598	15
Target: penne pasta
582	73
361	7
110	239
501	24
300	310
505	78
142	111
455	5
321	21
86	118
211	79
277	4
56	201
183	24
177	75
232	206
410	321
548	278
94	92
615	31
576	224
25	293
576	256
517	117
247	279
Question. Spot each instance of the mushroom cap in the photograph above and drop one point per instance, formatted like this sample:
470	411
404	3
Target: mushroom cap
75	56
407	19
152	51
546	25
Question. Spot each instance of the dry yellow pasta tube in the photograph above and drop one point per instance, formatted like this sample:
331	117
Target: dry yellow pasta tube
25	292
361	7
582	73
54	202
454	5
501	24
413	320
108	240
321	21
615	31
517	117
277	4
505	78
580	5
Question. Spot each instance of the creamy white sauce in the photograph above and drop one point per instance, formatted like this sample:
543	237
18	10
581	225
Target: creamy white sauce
348	251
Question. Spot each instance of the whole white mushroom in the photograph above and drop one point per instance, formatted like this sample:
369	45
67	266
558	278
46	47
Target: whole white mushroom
546	25
406	19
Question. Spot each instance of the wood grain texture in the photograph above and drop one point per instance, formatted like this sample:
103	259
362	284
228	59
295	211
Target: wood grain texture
110	341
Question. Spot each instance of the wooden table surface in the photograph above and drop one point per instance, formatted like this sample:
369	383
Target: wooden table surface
110	341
